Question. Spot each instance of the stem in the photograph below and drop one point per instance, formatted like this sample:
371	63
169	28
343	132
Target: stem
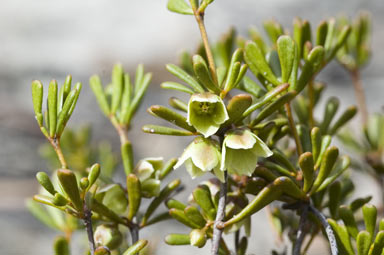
120	130
237	239
360	95
300	231
217	232
88	225
55	142
311	104
328	229
292	126
211	63
134	233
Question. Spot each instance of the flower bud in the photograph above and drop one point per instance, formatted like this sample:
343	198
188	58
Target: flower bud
106	235
198	238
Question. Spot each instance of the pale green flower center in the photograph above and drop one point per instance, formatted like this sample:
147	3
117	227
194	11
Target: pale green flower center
204	108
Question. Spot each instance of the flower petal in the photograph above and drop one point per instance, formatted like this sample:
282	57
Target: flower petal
240	139
261	149
144	170
192	169
204	154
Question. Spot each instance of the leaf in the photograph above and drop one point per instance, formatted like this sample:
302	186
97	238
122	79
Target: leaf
160	130
165	192
334	193
237	106
173	203
171	116
176	86
184	76
342	237
45	181
126	99
117	85
347	115
378	245
98	90
52	107
167	168
370	215
61	246
69	183
307	167
330	157
346	214
37	99
178	104
363	242
195	216
94	173
286	50
127	157
134	195
41	214
255	59
316	142
136	247
180	216
203	198
341	165
177	239
114	198
289	187
321	33
203	75
179	6
331	107
64	114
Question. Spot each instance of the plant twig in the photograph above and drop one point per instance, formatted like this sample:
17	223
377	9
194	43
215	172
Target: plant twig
134	233
211	63
55	142
88	225
122	132
360	95
292	126
300	231
217	232
327	227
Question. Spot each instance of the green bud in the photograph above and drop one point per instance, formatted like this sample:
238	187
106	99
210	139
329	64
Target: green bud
84	183
61	246
102	250
198	238
94	173
150	188
59	200
107	235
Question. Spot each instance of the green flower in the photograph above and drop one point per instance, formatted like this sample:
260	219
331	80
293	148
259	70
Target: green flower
201	156
147	171
241	149
206	112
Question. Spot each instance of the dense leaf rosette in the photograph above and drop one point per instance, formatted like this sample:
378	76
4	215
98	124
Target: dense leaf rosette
206	112
240	152
201	156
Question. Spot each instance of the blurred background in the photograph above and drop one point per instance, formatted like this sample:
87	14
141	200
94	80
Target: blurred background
47	40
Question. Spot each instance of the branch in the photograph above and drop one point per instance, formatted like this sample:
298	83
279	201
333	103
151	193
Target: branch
217	232
327	227
88	225
300	231
360	95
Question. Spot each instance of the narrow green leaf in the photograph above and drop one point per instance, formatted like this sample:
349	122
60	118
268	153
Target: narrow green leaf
167	168
325	142
103	210
273	29
203	198
98	90
37	99
359	202
346	214
289	187
177	239
282	159
136	247
61	246
179	6
203	75
160	130
126	99
45	181
165	192
134	195
184	76
63	93
78	87
274	106
117	85
305	137
316	142
256	61
178	104
341	165
286	50
330	157
266	98
347	115
173	203
334	194
341	39
52	107
330	35
69	184
370	215
64	114
342	238
378	245
321	33
307	167
233	74
41	214
195	216
176	86
237	106
127	157
139	76
171	116
250	86
180	216
363	242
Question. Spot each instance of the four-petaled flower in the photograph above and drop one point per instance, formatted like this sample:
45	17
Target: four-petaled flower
241	149
206	112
